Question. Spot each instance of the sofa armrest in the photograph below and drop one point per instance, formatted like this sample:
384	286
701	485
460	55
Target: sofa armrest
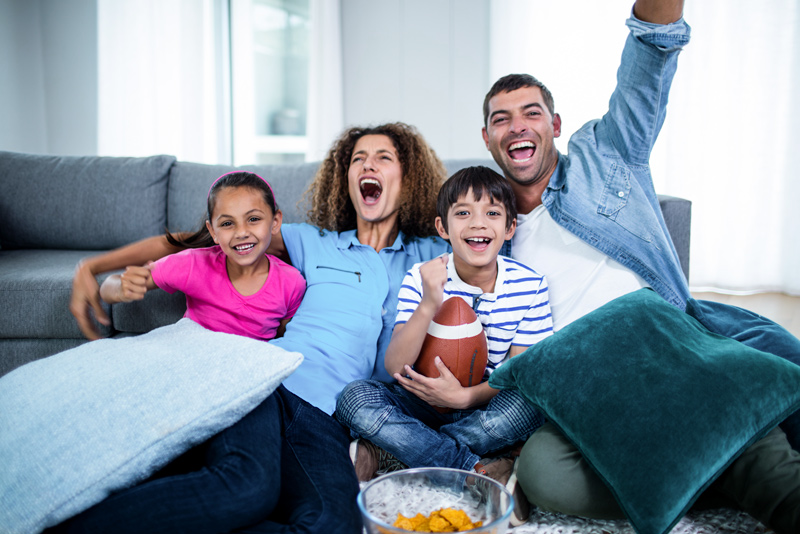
678	216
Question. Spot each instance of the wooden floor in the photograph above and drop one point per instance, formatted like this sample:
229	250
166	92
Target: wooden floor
781	308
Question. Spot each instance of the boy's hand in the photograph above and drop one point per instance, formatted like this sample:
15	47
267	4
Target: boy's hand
434	277
443	392
134	283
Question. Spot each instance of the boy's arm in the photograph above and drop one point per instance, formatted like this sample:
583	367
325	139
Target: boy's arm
446	391
407	338
128	286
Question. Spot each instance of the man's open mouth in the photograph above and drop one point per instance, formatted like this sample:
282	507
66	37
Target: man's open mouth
521	151
370	190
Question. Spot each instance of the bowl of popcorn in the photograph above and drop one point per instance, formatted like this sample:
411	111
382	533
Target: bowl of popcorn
434	499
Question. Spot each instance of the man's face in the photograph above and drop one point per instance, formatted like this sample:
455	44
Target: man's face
520	134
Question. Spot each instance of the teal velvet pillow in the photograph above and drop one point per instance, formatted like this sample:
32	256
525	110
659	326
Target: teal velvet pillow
657	404
81	424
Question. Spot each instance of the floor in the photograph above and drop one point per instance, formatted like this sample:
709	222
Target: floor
781	308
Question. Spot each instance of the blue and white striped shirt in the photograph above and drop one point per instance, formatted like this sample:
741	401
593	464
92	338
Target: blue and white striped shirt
517	313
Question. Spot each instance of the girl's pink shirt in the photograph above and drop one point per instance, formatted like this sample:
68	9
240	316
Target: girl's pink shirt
213	302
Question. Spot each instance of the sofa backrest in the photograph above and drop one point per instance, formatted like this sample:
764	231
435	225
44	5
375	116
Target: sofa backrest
189	184
80	203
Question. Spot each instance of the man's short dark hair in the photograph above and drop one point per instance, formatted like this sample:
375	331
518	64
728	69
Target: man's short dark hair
512	82
481	180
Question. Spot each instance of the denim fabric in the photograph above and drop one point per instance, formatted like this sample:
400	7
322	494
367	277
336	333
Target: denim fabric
754	331
607	198
286	461
420	436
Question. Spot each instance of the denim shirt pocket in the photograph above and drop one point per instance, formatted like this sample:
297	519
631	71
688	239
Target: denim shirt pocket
614	203
616	191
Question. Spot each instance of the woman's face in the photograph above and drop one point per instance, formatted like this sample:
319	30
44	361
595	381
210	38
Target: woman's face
375	178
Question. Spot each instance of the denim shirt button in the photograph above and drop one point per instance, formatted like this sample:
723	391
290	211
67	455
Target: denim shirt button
621	194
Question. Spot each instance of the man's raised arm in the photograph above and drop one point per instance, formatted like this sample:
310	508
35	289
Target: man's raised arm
658	11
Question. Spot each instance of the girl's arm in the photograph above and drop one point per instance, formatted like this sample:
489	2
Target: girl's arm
128	286
85	299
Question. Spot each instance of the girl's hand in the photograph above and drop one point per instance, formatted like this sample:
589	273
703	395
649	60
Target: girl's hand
134	283
444	392
434	277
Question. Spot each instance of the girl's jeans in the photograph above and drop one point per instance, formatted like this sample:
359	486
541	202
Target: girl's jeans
418	435
284	467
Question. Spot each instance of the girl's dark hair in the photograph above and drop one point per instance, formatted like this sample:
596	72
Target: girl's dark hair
202	238
480	180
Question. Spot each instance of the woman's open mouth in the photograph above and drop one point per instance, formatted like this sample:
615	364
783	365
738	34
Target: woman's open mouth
370	190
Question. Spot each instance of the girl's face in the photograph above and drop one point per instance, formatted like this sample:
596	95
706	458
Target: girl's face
243	224
375	178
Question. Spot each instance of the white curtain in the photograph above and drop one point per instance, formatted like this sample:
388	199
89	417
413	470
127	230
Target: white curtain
727	144
325	101
159	71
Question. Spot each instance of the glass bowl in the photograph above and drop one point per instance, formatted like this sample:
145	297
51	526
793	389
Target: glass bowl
425	490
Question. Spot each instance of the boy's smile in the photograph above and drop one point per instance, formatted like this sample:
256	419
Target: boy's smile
476	230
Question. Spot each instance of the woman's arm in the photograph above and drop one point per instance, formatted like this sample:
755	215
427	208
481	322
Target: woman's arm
85	299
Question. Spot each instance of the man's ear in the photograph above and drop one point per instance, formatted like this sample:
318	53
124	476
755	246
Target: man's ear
440	228
511	229
556	125
211	230
485	135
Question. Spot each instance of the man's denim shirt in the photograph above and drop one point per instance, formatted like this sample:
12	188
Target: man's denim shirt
602	191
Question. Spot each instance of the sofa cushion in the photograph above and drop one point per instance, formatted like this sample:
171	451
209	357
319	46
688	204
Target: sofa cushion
103	416
189	183
36	285
657	404
90	203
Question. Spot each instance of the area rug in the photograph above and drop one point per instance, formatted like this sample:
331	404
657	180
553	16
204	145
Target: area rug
721	521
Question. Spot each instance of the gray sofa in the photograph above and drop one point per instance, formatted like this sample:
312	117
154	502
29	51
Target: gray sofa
56	210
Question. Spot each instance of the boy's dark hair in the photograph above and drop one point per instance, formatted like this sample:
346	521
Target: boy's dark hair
480	180
202	238
512	82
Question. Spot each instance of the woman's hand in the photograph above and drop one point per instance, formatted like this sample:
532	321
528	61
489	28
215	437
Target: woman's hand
443	392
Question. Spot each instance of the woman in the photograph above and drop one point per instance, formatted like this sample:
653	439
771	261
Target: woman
285	466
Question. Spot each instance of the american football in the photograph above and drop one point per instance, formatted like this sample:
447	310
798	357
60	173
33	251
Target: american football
456	336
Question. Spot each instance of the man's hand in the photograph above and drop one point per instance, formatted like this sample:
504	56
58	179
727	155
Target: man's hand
443	392
85	302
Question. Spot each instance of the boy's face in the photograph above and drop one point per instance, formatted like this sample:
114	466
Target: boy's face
476	230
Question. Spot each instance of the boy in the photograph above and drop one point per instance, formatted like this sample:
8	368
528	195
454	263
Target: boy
476	214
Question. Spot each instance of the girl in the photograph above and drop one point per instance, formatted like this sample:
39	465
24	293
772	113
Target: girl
231	284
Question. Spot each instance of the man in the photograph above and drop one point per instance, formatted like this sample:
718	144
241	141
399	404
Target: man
591	223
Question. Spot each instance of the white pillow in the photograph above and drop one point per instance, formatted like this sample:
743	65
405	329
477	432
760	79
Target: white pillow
81	424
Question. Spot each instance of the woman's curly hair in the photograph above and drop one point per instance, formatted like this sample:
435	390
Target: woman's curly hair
423	175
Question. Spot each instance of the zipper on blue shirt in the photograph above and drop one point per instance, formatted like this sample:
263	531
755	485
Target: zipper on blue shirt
340	270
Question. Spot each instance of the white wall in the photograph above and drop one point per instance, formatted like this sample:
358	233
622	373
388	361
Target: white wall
48	90
422	62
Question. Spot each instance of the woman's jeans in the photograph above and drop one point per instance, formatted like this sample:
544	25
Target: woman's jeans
284	467
418	435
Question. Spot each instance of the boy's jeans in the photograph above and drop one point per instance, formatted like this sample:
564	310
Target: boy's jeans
418	435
